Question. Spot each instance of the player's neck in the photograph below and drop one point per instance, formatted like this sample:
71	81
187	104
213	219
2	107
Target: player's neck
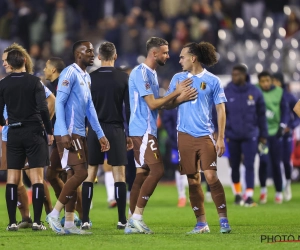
150	63
81	65
108	63
17	71
197	69
54	77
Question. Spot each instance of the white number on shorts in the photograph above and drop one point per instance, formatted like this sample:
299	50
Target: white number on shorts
152	145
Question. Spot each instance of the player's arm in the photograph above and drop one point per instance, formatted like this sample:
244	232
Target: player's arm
51	105
93	120
221	117
158	103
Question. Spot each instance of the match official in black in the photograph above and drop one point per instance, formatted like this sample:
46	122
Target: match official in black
28	115
109	89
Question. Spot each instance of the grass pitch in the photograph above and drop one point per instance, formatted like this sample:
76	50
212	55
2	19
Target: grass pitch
170	225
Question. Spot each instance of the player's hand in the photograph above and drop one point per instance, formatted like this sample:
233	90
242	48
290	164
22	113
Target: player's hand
262	140
220	147
187	94
50	139
129	143
66	142
184	85
104	143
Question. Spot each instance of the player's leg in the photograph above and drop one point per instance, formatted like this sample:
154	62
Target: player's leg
77	160
15	162
130	172
53	172
109	183
264	160
286	158
23	205
235	152
249	150
87	195
117	157
151	158
275	159
208	158
189	166
95	157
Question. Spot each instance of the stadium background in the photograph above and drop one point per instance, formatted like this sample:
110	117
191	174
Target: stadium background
263	34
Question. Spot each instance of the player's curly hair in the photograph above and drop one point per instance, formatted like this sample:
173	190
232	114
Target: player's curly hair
205	52
18	47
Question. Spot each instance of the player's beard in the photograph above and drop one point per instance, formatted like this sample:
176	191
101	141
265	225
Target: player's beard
160	62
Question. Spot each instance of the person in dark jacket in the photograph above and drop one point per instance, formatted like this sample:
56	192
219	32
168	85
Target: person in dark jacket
246	126
277	118
169	119
287	142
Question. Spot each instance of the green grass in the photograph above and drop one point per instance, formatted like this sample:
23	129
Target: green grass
169	224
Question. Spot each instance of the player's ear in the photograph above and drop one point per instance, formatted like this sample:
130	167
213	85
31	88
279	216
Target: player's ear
115	57
99	57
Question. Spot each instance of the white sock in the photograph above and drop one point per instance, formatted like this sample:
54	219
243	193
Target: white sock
137	216
288	183
180	184
110	185
249	192
69	224
263	190
279	195
54	213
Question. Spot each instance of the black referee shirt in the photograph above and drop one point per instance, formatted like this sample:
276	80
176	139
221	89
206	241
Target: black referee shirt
109	89
25	99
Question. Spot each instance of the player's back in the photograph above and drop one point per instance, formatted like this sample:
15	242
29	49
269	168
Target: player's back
109	89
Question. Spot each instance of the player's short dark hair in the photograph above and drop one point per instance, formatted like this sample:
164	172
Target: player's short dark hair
57	63
264	74
78	44
205	52
15	59
242	68
155	42
107	50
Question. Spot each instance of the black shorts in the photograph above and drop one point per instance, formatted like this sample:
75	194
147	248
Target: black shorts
117	154
28	141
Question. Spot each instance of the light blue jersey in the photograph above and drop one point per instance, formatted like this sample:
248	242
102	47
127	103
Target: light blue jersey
194	117
74	103
142	82
5	128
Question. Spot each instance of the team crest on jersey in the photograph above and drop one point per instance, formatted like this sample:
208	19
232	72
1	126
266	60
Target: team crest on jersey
81	83
202	85
250	100
65	83
147	86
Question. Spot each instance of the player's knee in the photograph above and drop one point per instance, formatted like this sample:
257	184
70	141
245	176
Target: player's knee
81	174
157	170
193	180
211	176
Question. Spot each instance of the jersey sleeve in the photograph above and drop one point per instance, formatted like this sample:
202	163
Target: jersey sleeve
218	92
47	91
172	85
66	80
142	82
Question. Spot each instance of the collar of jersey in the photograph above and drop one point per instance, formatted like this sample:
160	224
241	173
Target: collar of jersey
75	65
198	75
153	71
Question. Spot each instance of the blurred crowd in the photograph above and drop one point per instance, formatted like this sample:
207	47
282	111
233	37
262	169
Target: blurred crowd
261	33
